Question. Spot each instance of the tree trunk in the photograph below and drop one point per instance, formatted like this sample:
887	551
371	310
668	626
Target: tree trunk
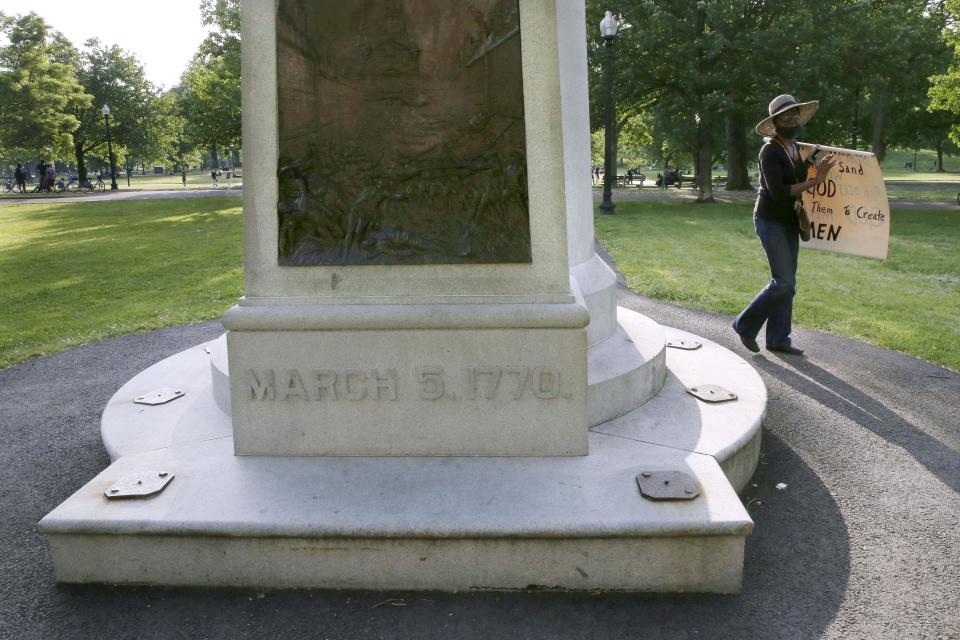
704	162
738	178
855	126
939	156
214	159
877	137
81	164
704	149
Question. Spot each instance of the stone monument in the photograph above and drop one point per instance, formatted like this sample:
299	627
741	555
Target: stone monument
427	384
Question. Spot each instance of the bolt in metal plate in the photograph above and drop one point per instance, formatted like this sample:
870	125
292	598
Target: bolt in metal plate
140	485
686	345
668	485
159	396
712	393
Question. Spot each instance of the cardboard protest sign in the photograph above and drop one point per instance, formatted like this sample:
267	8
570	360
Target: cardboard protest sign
849	211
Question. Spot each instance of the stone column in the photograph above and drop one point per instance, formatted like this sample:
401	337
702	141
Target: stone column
407	359
596	281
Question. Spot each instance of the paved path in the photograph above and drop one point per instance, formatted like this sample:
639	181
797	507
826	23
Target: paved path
133	194
863	543
619	195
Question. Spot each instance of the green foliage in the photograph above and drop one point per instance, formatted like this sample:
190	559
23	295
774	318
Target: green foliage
209	94
75	273
38	89
210	102
945	87
908	302
702	73
224	40
138	118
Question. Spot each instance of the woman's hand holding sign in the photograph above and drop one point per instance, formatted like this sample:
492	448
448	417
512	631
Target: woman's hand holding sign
824	164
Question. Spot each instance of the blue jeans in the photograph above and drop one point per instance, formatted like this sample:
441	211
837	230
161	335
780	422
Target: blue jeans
774	304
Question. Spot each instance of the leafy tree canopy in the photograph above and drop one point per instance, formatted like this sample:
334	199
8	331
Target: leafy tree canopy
39	92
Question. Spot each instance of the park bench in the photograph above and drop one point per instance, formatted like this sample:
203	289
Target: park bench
636	180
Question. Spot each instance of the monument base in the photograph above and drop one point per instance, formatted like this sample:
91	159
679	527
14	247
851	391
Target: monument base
444	523
408	379
406	523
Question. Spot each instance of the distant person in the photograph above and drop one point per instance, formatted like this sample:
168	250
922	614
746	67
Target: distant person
183	177
51	176
20	177
42	176
213	178
783	178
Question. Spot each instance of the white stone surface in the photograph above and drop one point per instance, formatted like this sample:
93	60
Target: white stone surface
674	564
574	92
673	418
358	522
677	419
626	369
520	392
596	280
598	286
127	427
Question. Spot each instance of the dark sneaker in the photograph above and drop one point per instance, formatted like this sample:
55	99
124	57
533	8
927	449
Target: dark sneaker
749	343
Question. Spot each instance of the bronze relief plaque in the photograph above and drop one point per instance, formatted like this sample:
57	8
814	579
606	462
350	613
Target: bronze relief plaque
401	133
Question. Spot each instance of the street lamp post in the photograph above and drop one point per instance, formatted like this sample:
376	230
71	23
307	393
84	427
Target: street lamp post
113	161
608	29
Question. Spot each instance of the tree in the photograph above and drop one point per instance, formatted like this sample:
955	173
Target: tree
945	87
38	89
702	67
209	95
210	104
115	78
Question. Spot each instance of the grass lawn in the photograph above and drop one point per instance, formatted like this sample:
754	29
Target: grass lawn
708	257
195	180
76	273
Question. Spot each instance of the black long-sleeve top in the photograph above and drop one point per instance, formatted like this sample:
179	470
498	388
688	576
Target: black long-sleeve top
774	201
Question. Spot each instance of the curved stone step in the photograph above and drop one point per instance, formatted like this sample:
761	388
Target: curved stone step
627	369
727	431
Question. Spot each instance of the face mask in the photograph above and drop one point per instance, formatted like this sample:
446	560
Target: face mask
789	133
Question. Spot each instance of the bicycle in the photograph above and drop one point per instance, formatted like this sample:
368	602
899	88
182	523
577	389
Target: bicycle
8	184
86	186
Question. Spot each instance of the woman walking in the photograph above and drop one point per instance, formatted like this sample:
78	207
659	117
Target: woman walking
783	178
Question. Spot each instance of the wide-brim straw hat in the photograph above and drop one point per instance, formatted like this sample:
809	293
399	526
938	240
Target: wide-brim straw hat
782	104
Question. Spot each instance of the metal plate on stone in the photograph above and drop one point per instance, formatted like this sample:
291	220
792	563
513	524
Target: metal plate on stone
139	485
712	393
159	396
686	345
668	485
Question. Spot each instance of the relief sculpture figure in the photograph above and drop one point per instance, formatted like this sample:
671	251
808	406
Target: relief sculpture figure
402	136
